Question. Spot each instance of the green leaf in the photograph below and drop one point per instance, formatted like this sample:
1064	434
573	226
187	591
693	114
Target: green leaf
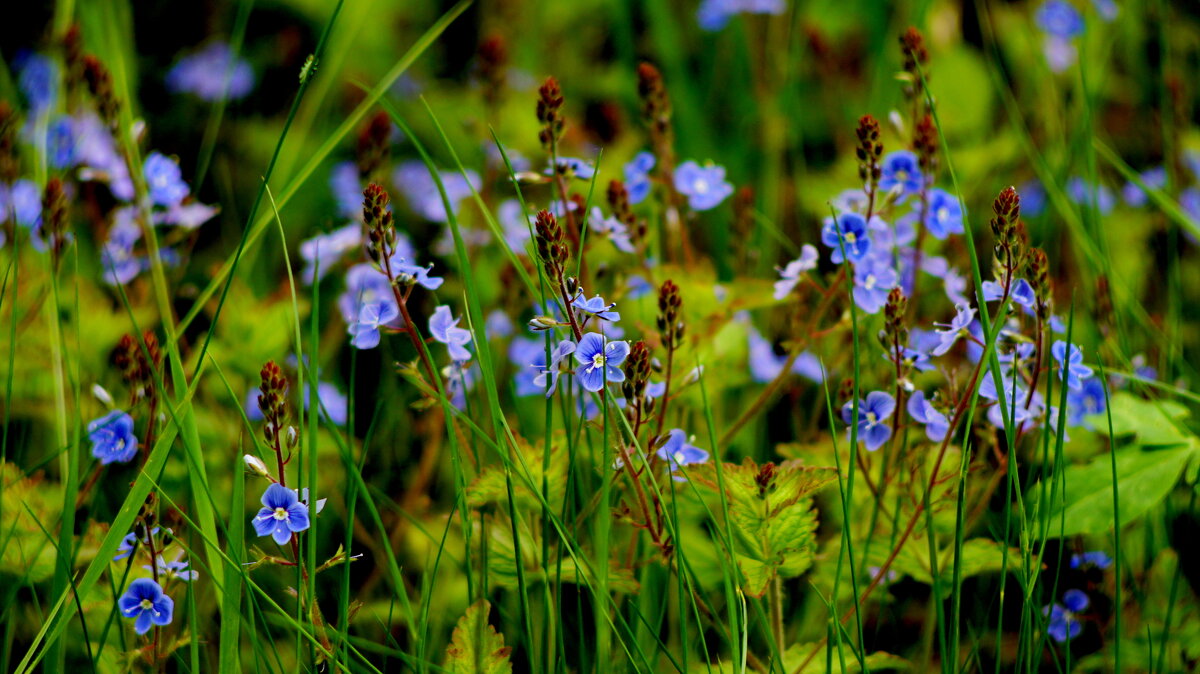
770	509
476	647
490	486
1153	423
877	661
979	556
1144	479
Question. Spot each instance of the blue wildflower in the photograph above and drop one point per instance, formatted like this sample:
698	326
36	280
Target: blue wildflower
677	452
713	15
176	569
112	437
145	601
365	285
60	142
1096	558
333	402
1063	626
164	179
1088	400
1033	198
791	274
705	187
25	200
573	167
945	215
848	230
549	375
323	251
901	172
1084	193
956	328
612	229
413	180
413	273
211	74
347	188
38	80
497	324
1155	179
596	306
1021	293
873	413
637	177
935	422
911	358
873	279
444	328
364	330
282	514
130	542
529	357
1070	364
1060	19
637	286
599	361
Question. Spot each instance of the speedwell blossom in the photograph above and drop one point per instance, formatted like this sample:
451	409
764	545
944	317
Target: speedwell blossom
956	328
596	306
902	173
676	451
1063	625
1070	364
705	187
444	328
282	514
146	603
873	413
790	275
599	361
112	437
848	230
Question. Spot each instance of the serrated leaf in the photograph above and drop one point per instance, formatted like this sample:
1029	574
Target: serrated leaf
502	567
475	646
490	486
795	655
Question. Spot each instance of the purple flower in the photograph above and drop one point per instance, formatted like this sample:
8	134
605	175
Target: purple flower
1022	293
164	179
901	172
364	330
945	214
1070	362
323	251
637	177
365	285
954	329
912	358
599	361
573	167
549	375
1083	193
873	279
638	286
282	514
676	451
146	603
705	187
713	15
923	411
1063	625
60	142
873	413
1059	18
413	273
177	569
112	437
413	180
1096	558
791	274
347	188
1155	179
38	80
613	229
130	542
849	230
212	74
596	306
25	200
333	403
444	328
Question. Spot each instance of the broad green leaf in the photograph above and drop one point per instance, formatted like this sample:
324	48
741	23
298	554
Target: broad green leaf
25	552
490	487
877	661
979	556
502	567
475	646
1154	423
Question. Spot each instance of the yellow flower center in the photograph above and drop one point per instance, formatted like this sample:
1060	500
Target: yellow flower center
851	238
871	418
147	605
598	360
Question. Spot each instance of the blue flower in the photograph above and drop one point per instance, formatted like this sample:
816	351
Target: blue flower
704	187
112	437
1021	293
164	179
1015	396
900	171
38	80
872	419
1107	9
323	251
147	604
529	357
332	402
1155	179
282	514
910	357
413	180
416	274
677	452
1083	193
1060	19
130	542
713	15
364	330
444	328
613	229
850	230
573	167
25	200
1088	400
945	214
497	324
1070	362
638	286
596	306
958	327
790	275
212	74
599	361
549	375
177	569
347	188
923	411
1063	625
1033	198
60	142
873	279
1096	558
637	177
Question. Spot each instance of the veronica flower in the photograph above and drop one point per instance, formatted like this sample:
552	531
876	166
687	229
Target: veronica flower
1015	395
713	15
164	179
1096	558
596	306
25	202
333	403
324	251
364	330
365	285
855	200
637	286
873	413
873	279
765	364
117	258
954	329
599	361
1063	625
460	378
347	188
705	187
956	287
112	437
637	177
935	422
613	229
444	328
901	172
911	358
573	167
38	80
1059	18
130	542
1021	293
944	216
1084	193
177	569
848	230
282	514
1155	179
790	275
549	375
212	73
677	452
145	602
1070	364
413	180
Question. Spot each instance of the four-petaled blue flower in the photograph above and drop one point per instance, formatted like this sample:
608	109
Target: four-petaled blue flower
596	306
1060	19
1087	194
945	214
1096	558
705	187
1085	402
956	328
112	437
1070	362
851	230
599	361
365	330
677	452
923	411
444	328
130	542
1021	293
790	275
416	274
901	172
1063	625
872	418
573	167
147	604
873	279
213	73
282	514
637	177
38	80
164	179
550	374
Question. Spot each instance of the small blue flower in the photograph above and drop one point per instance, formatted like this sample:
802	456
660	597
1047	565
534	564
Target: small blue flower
873	413
1083	193
497	324
1096	558
212	74
25	200
365	330
1060	19
417	274
958	327
705	187
38	80
612	229
923	411
529	357
873	279
60	142
164	179
323	251
912	358
676	451
1063	625
1033	198
282	514
332	401
1085	402
790	275
1107	9
599	361
177	569
112	437
1021	294
1155	179
1070	362
849	230
573	167
421	191
713	15
638	286
444	328
900	171
549	375
945	215
147	604
596	306
637	177
347	188
130	542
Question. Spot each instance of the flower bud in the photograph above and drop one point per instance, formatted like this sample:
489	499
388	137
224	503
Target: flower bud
256	466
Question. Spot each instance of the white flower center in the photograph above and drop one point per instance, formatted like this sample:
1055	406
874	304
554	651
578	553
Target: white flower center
147	605
121	443
870	282
281	514
598	361
679	457
871	418
701	185
943	213
851	238
901	175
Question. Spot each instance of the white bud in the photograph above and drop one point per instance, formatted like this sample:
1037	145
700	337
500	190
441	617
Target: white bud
292	436
102	395
255	465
